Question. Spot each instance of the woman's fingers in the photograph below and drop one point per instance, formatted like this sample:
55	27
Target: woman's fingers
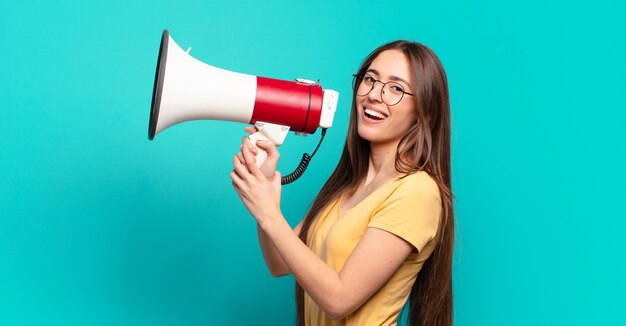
245	141
240	169
250	160
250	129
237	182
236	178
269	147
269	166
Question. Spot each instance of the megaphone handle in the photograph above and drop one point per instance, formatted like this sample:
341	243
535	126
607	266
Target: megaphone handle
267	131
261	155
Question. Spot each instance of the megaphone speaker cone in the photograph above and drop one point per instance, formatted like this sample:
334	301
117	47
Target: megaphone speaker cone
158	85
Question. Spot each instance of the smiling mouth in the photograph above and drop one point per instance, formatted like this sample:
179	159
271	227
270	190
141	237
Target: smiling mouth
373	114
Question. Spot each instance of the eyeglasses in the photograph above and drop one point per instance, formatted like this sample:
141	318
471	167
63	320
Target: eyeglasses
391	93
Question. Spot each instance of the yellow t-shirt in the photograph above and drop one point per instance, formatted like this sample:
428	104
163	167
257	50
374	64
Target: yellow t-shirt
409	208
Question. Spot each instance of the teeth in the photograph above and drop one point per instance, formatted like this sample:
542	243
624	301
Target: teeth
374	114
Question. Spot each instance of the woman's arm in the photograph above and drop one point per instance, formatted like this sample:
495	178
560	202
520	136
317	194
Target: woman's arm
372	263
374	260
273	260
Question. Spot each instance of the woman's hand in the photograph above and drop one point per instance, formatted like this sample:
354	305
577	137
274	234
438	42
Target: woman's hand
269	166
258	188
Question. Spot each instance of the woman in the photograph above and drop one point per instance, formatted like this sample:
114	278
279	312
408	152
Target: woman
381	229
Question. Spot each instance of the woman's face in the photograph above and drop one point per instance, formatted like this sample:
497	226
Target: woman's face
379	122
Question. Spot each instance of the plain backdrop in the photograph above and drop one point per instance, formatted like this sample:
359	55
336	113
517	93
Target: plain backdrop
100	226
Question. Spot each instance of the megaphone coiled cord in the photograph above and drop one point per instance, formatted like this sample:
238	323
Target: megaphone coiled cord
304	164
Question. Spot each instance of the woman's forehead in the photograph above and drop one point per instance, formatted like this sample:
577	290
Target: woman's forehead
391	63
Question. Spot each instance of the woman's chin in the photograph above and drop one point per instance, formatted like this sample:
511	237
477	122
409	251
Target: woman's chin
373	136
366	133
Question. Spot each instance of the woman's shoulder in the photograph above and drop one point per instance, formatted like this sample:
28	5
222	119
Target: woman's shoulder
419	180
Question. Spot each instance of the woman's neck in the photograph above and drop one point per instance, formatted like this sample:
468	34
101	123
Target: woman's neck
382	162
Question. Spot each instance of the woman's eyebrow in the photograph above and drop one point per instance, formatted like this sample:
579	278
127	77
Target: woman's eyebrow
392	77
373	70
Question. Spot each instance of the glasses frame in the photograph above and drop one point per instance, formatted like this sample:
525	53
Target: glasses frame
361	77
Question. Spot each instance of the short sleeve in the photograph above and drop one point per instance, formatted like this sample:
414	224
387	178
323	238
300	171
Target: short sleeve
412	211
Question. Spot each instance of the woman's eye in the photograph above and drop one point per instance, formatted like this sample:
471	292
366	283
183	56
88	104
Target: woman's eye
369	79
397	89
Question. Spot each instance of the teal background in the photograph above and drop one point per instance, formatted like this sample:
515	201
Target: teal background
99	226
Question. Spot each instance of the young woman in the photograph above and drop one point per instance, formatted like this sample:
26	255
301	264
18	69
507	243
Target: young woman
381	229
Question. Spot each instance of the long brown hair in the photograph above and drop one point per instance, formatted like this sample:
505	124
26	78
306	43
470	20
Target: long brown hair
425	147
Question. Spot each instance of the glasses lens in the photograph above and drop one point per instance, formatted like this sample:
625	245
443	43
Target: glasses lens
392	93
366	85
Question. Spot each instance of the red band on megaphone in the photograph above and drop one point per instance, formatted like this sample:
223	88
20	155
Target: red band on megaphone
292	104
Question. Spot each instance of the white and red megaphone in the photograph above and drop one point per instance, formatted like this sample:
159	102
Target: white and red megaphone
187	89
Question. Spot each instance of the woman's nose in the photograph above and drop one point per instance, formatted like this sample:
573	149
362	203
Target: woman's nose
376	93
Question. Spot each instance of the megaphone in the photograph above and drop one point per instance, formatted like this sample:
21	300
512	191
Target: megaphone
187	89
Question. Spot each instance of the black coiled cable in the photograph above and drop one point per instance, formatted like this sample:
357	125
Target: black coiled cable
304	163
293	176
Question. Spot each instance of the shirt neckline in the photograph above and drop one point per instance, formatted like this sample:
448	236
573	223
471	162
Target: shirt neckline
339	201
